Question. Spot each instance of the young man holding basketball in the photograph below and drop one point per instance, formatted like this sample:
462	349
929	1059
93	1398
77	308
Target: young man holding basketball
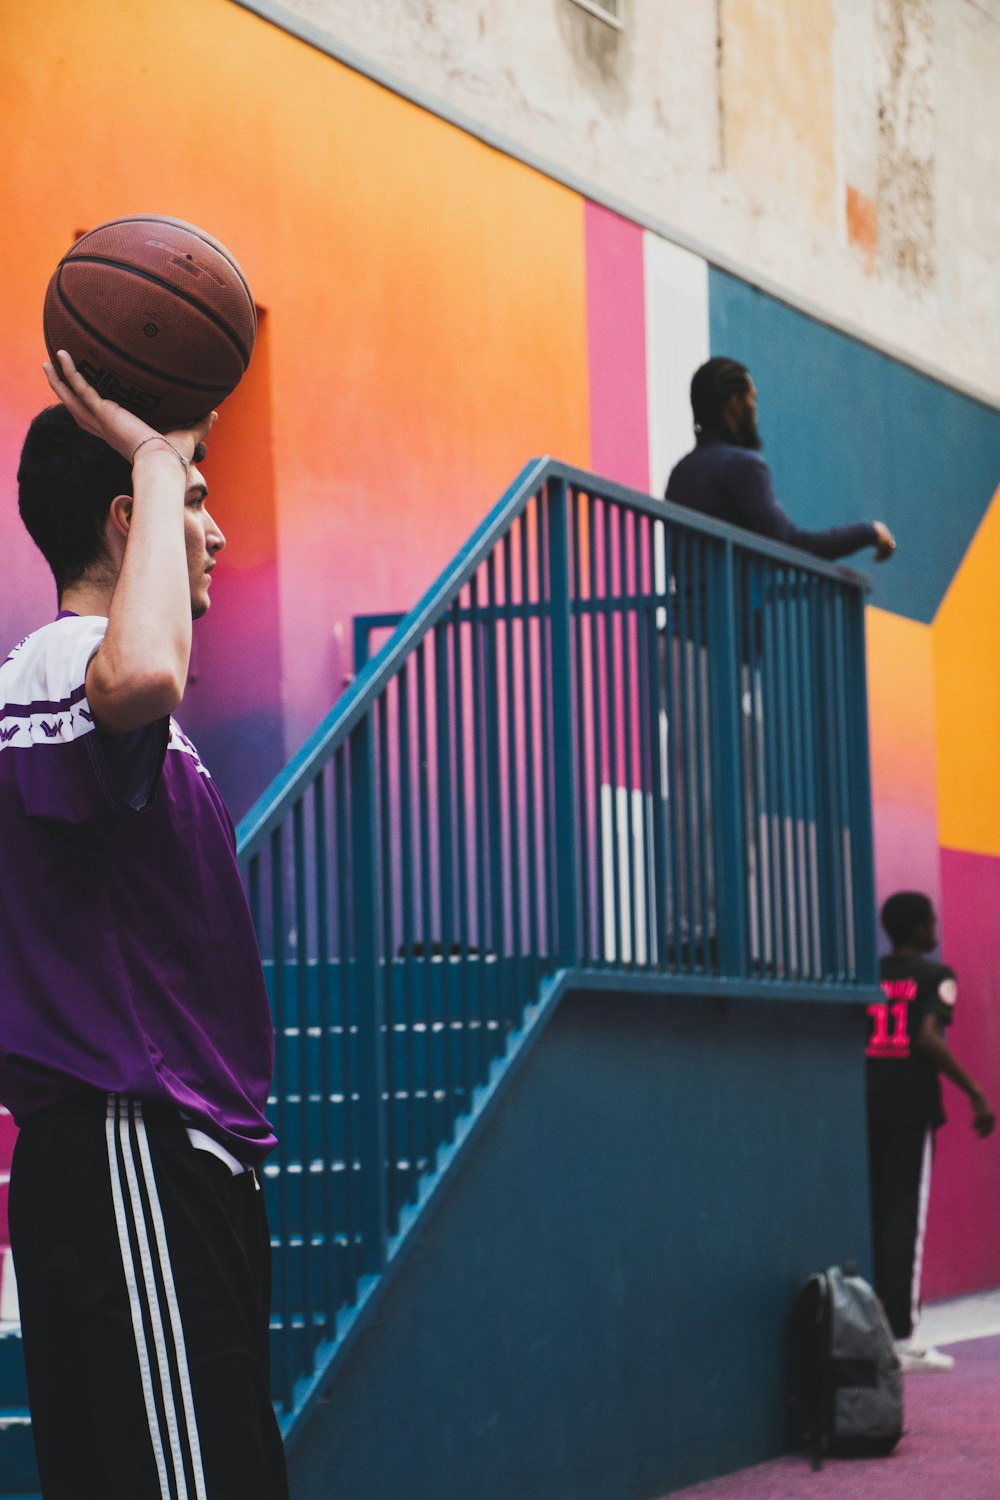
136	1047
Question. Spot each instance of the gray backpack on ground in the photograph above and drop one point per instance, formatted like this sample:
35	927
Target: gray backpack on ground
845	1388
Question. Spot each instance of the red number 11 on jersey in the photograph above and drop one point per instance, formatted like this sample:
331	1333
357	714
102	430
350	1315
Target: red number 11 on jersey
890	1036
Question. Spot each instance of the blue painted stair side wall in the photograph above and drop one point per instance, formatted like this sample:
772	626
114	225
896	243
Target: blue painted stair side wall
596	1310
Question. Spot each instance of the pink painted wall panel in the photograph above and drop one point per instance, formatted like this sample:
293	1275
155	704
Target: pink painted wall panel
616	347
907	856
963	1236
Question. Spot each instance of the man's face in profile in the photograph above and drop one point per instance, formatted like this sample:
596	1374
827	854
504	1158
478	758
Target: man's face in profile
746	429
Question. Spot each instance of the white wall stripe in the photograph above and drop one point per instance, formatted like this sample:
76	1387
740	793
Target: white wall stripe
173	1306
676	287
152	1303
135	1306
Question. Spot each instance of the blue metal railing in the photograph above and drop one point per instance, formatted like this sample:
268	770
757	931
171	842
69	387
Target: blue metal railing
615	739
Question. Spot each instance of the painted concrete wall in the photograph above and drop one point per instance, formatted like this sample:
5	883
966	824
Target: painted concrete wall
596	1311
839	148
434	313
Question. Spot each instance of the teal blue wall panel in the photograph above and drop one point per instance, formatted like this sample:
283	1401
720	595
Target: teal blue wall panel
849	433
596	1309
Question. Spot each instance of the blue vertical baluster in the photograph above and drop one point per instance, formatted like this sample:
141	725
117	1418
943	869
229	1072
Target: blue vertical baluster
626	616
482	820
387	804
425	1116
369	1010
703	754
529	552
514	808
285	1375
672	646
443	700
657	649
859	774
327	1151
303	1070
564	764
690	768
610	855
646	700
830	733
773	710
408	1160
461	628
790	888
347	988
813	883
597	696
752	596
729	824
551	874
492	636
585	734
801	731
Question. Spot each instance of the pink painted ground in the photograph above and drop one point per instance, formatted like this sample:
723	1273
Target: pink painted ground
950	1448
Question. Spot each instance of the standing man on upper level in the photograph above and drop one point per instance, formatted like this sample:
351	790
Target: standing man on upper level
725	477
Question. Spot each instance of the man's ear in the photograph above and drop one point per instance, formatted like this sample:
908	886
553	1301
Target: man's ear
120	515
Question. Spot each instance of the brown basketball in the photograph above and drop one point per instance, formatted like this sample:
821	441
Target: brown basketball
157	315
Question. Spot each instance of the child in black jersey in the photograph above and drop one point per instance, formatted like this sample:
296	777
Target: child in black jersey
906	1055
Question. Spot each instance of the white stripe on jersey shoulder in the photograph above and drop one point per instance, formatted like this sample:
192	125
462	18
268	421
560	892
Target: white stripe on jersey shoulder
948	991
179	741
42	698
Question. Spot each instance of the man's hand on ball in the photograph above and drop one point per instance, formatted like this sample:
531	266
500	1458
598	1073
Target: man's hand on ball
120	428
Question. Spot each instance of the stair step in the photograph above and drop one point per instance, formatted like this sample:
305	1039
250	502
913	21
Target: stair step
18	1470
13	1382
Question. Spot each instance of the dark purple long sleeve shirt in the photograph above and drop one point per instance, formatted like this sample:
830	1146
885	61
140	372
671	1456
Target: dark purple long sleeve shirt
722	479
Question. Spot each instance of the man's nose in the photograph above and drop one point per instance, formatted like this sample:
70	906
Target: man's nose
215	537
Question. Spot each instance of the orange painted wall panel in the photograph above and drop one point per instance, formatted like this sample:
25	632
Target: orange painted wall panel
903	754
426	295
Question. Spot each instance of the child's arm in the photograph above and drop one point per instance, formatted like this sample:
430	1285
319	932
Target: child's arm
931	1042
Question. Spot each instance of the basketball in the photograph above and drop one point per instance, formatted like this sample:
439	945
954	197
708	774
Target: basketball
157	316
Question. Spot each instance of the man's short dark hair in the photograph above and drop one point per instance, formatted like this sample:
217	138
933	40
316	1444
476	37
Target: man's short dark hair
66	481
712	384
904	912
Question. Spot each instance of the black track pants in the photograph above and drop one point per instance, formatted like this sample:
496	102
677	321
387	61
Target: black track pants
143	1270
900	1164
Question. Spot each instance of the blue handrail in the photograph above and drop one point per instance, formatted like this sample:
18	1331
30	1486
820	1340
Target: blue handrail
616	743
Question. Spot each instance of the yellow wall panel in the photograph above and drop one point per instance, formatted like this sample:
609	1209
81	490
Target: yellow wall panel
966	636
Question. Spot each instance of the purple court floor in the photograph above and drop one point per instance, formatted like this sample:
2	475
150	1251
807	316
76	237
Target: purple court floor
950	1449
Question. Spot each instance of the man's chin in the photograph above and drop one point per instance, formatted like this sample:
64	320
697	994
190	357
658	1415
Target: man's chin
200	607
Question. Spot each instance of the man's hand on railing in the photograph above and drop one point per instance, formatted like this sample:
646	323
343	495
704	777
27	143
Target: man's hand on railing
885	542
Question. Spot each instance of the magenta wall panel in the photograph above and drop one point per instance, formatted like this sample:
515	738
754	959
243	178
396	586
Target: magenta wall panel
963	1235
616	345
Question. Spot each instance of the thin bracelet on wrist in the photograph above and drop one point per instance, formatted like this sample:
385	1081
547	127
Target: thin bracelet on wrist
156	437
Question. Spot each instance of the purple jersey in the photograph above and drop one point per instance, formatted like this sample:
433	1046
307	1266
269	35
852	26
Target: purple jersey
128	961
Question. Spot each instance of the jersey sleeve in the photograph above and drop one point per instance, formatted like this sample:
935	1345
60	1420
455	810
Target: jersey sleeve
944	993
65	770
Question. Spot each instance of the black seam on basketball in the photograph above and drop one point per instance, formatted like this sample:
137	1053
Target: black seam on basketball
199	234
188	385
166	286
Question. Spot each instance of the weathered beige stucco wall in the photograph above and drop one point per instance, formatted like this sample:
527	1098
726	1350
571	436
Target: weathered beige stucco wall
845	150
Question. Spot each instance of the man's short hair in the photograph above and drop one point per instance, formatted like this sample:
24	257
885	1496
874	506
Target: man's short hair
66	481
904	912
712	384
